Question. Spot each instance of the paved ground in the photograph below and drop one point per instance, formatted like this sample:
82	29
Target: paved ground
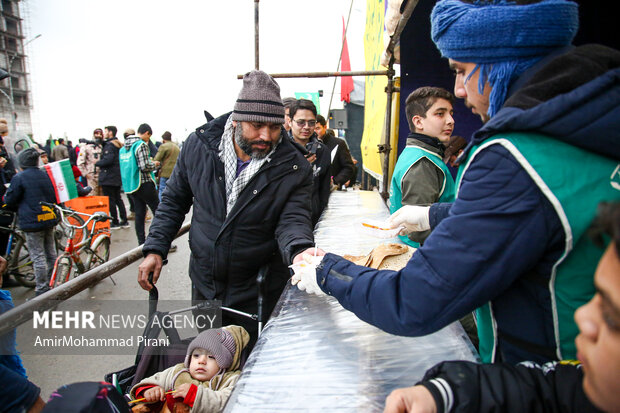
51	371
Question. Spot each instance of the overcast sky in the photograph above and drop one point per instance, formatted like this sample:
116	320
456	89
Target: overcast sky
125	62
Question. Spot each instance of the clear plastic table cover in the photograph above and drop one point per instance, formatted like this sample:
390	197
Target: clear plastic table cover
313	355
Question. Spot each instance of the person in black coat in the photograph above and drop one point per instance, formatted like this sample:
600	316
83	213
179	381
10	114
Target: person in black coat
250	190
110	177
303	121
343	169
28	189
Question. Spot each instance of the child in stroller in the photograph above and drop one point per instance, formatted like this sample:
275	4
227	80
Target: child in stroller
203	382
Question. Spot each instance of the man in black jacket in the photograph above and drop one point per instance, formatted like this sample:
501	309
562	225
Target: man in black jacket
342	163
250	189
110	177
303	121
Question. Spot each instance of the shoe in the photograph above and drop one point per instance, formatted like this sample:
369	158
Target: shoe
115	226
125	224
173	248
131	216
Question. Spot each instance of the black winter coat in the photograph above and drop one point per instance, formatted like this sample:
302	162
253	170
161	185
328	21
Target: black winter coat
109	168
342	166
270	222
502	387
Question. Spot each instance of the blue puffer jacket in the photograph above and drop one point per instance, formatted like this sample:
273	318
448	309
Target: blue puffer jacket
501	236
28	188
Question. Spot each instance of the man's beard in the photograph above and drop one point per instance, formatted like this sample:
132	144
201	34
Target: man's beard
246	145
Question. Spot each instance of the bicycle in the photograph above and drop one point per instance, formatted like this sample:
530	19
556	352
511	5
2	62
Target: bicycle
19	264
95	244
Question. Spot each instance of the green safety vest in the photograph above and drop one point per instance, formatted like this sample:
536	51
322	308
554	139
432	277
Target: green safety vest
130	173
575	181
408	157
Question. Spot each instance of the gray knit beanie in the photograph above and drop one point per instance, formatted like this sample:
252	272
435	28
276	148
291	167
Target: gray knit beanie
218	342
259	99
28	157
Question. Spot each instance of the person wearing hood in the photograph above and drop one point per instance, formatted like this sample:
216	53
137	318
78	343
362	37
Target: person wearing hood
89	155
527	189
110	177
302	122
28	189
206	379
138	179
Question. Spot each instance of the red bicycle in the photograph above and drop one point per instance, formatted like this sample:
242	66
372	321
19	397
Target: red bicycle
95	246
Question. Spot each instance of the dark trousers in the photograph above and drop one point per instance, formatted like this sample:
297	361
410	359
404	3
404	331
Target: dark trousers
145	195
114	194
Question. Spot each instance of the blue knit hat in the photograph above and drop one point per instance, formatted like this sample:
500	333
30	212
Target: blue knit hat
502	38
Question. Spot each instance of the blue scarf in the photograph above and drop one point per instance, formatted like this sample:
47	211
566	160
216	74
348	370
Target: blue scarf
502	38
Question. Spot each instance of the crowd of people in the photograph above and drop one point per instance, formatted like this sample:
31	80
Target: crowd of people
513	241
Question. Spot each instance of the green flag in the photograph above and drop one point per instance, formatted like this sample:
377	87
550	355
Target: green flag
313	96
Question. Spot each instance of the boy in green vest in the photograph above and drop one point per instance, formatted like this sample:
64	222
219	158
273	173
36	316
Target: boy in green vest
420	176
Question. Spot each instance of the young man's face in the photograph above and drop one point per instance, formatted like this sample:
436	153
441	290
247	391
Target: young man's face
202	365
146	136
320	130
108	134
256	139
478	103
598	343
438	121
302	125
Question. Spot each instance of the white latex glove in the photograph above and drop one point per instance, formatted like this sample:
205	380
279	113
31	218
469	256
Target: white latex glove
413	218
305	274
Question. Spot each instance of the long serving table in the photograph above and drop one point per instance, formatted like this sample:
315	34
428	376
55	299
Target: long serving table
313	355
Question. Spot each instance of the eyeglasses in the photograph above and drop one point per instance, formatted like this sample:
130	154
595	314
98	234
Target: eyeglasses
302	122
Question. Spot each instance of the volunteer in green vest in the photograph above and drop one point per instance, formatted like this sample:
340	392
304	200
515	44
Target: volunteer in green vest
420	176
137	175
513	244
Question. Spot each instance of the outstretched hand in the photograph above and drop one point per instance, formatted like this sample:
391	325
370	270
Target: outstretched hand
416	399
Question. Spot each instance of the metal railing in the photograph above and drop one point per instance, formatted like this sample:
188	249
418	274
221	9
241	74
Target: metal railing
22	313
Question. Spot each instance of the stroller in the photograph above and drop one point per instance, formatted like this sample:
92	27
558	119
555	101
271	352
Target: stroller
152	359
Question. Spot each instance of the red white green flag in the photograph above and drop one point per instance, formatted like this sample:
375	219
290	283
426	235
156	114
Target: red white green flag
61	175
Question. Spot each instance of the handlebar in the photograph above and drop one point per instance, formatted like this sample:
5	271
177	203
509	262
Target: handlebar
97	216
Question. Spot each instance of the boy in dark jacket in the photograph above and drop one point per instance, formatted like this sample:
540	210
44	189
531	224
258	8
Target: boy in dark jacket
28	188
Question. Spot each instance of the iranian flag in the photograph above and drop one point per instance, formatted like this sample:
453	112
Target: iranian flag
61	175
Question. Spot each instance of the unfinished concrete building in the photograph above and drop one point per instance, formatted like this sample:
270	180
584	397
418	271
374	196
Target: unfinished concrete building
15	90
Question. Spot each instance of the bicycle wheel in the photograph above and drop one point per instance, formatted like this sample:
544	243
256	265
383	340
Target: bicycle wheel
100	252
62	231
63	270
20	264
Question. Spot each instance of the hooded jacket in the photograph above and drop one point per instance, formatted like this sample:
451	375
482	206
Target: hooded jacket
109	169
502	237
269	224
209	397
